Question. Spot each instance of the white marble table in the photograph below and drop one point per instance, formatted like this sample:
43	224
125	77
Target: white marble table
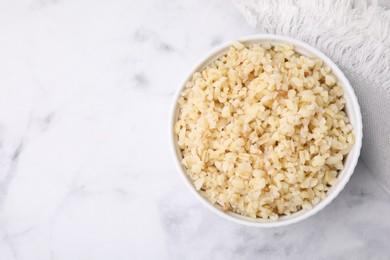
85	169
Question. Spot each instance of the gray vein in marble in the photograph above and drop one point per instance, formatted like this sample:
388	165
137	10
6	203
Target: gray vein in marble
9	176
141	81
165	47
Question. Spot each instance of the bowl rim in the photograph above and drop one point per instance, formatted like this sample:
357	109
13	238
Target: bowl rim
301	214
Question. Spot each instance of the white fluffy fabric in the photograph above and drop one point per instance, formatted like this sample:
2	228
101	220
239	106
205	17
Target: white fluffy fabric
356	36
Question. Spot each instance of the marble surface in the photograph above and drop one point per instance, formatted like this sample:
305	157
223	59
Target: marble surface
85	166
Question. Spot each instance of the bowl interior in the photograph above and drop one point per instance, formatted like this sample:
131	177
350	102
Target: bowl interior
352	109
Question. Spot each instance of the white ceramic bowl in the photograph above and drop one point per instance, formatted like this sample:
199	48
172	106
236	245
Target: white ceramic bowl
352	108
